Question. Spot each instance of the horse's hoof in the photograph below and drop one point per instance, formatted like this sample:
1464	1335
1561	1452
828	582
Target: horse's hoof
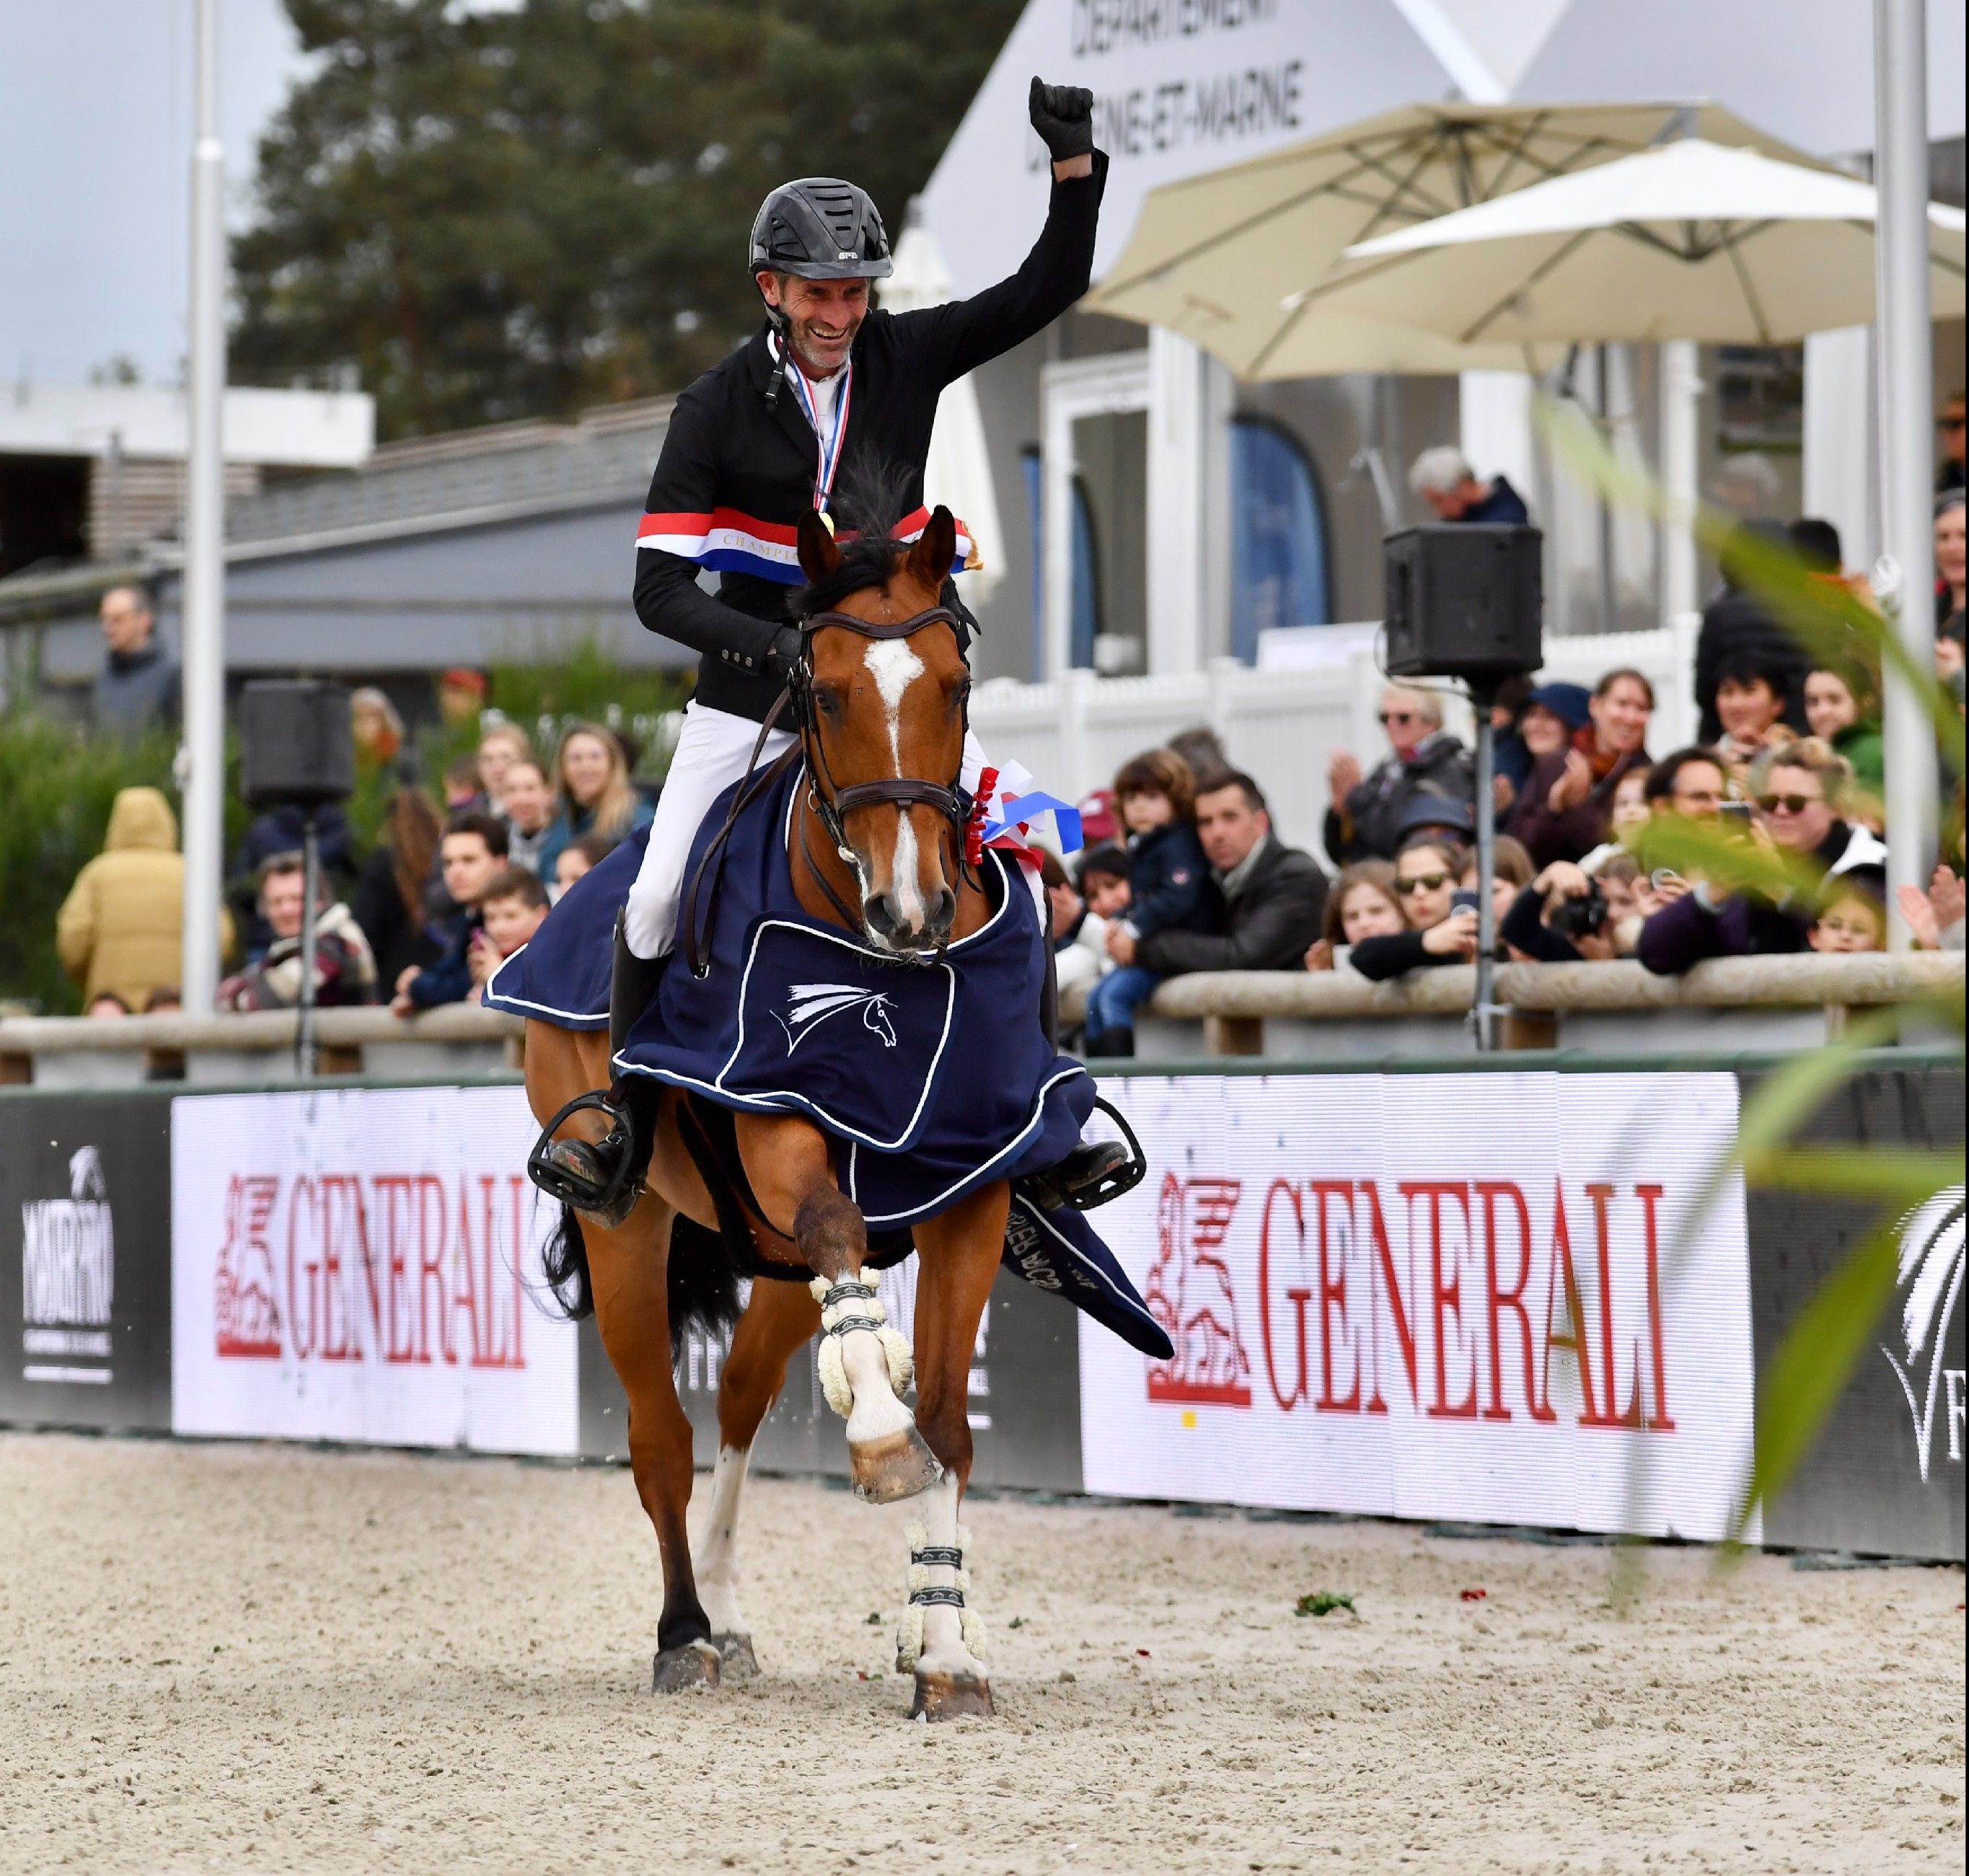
897	1465
687	1668
952	1696
736	1661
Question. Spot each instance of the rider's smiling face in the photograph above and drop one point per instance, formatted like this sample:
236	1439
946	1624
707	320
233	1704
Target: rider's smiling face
823	317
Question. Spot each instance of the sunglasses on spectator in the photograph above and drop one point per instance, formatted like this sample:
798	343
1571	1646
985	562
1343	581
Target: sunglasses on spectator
1422	882
1400	716
1790	804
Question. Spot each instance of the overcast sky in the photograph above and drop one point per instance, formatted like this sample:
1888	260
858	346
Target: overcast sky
95	146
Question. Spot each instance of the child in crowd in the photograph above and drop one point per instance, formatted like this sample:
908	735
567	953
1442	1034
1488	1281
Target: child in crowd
1841	707
1511	870
1104	882
583	856
513	907
461	786
1439	932
1079	934
1362	904
1155	796
1853	919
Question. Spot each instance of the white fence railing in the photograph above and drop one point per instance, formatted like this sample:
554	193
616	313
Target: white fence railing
1282	724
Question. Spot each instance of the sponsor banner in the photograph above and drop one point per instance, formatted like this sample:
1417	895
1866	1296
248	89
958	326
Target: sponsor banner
1885	1476
364	1265
1479	1297
84	1219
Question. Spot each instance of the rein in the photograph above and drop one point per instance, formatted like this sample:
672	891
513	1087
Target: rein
830	802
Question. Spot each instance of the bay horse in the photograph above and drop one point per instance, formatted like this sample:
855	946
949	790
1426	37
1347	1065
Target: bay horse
881	705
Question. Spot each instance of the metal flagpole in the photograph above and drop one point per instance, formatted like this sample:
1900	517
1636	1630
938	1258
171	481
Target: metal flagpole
1903	577
202	753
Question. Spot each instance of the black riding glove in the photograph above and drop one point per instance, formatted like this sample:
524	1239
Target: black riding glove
1063	116
784	654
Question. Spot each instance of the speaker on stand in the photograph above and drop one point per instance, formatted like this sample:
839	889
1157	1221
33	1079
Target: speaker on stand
1467	601
297	749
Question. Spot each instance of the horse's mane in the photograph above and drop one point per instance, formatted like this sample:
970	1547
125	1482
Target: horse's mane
871	500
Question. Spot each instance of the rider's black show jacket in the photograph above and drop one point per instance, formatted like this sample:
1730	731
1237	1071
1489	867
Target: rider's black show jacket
735	473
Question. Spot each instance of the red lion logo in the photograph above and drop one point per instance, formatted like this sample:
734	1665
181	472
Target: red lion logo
245	1314
1188	1292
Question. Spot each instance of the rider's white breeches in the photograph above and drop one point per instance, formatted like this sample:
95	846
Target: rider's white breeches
711	753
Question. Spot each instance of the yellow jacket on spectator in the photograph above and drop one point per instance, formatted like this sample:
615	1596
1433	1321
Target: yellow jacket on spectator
121	927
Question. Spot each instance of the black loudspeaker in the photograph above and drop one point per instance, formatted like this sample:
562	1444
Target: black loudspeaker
1464	600
296	746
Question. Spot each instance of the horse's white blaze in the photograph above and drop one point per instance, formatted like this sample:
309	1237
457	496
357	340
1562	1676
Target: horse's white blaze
944	1651
903	867
718	1554
894	667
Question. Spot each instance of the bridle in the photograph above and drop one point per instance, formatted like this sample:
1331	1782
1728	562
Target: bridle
832	803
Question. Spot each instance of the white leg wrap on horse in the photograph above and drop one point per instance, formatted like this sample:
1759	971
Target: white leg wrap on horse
865	1365
940	1633
717	1562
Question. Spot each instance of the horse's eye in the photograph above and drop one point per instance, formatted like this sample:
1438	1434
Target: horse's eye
831	702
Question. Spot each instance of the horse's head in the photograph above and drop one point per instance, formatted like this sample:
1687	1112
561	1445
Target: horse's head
885	715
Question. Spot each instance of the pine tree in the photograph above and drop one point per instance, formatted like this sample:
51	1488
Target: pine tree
505	215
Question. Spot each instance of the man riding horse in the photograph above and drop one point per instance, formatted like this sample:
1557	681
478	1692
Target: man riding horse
757	443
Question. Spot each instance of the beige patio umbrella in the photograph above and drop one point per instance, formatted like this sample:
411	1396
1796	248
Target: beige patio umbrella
1221	258
1690	240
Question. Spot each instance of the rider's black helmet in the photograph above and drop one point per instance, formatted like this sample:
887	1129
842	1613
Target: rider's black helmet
820	228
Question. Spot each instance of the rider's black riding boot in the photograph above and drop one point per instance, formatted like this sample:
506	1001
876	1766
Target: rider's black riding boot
1087	1176
632	981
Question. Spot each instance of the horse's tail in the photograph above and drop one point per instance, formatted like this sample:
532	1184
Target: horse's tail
701	1280
703	1283
564	1260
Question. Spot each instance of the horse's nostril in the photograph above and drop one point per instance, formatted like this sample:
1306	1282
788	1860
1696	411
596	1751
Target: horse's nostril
880	914
943	909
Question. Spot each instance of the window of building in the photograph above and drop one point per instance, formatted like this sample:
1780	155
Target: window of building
1086	570
1278	564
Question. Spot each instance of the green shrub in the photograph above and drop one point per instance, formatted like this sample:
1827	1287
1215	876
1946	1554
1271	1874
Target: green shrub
58	783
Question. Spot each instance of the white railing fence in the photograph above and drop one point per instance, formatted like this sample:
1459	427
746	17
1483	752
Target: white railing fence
1281	723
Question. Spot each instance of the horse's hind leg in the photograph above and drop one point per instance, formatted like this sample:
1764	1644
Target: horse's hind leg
778	1319
864	1365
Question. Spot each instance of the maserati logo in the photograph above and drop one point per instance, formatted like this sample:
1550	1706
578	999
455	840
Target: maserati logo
1931	1285
810	1005
68	1277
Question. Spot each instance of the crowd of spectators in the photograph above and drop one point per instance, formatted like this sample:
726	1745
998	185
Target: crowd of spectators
421	917
1763	837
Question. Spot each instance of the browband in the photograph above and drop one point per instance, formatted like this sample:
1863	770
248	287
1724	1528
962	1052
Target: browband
872	628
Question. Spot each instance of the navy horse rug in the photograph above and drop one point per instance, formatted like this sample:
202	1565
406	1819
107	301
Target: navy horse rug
932	1077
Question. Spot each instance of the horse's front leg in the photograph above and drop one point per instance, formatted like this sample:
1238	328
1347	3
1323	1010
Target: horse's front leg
865	1365
942	1638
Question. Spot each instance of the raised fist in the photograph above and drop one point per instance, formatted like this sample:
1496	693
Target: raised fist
1063	116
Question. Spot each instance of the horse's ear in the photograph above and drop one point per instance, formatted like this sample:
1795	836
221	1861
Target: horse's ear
818	556
936	548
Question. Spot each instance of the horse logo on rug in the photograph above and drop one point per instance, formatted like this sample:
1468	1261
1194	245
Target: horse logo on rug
809	1005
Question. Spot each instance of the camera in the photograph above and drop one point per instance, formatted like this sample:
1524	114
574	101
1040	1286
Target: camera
1579	917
